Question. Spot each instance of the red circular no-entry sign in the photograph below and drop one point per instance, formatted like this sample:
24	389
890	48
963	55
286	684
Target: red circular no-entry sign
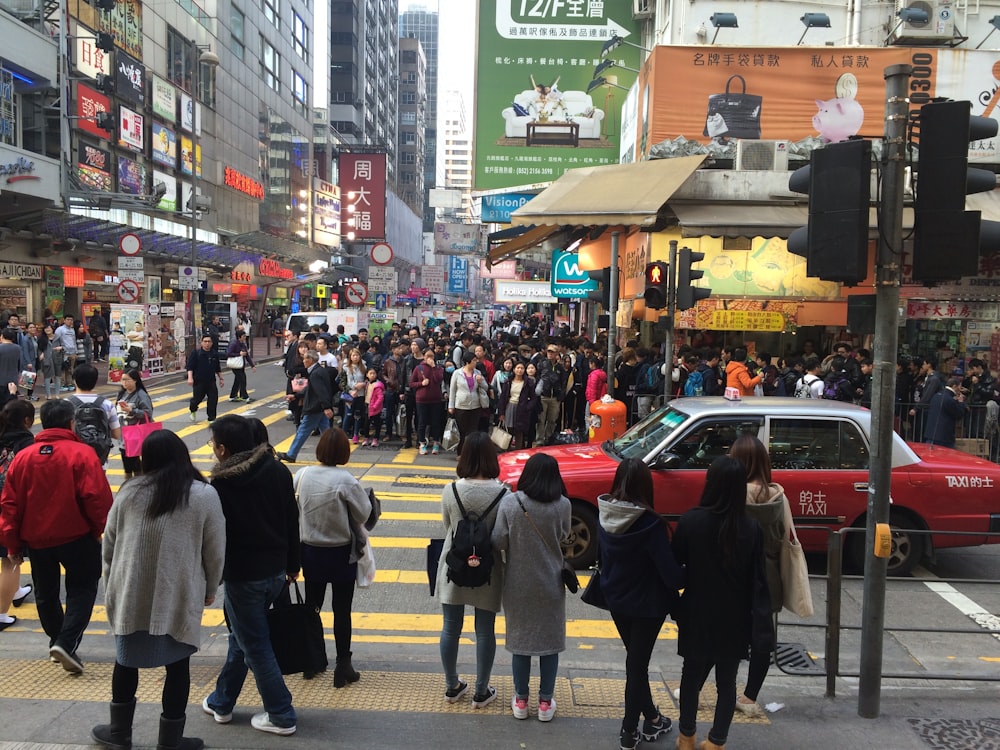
128	291
356	293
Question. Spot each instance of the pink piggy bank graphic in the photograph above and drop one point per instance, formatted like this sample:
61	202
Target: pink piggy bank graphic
838	119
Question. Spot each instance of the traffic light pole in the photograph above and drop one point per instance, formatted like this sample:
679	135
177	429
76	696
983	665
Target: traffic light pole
668	341
887	271
612	313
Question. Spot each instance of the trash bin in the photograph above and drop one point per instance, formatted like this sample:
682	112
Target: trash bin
607	419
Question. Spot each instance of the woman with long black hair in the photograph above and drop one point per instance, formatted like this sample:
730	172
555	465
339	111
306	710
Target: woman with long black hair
168	514
726	607
16	419
134	406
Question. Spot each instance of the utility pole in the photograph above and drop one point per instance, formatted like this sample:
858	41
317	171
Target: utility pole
668	340
612	313
890	250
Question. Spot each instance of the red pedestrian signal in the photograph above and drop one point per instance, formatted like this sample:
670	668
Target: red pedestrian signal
656	285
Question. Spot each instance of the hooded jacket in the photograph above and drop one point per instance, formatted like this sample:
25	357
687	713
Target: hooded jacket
639	576
738	376
262	518
771	511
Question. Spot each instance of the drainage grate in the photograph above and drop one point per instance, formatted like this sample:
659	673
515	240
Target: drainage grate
794	658
948	734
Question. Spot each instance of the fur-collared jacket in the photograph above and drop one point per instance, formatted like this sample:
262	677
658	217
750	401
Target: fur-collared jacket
262	518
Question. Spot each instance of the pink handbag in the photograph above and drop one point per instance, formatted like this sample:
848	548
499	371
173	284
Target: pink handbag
134	434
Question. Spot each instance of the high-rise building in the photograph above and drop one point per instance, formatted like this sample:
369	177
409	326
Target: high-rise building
458	154
364	69
422	24
412	123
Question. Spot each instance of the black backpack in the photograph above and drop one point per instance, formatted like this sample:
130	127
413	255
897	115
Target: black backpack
470	559
91	425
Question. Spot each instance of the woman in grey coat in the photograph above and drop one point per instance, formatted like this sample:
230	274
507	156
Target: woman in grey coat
530	527
480	494
164	548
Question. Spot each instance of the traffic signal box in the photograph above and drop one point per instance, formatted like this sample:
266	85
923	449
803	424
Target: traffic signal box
603	292
687	294
656	285
838	182
947	238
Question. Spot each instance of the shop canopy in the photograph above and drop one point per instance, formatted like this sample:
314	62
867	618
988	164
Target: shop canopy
616	194
535	238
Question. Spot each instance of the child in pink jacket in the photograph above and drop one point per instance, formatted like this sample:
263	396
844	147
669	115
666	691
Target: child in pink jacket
374	400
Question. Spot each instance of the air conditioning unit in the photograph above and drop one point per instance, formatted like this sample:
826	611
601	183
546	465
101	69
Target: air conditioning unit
642	9
762	156
938	28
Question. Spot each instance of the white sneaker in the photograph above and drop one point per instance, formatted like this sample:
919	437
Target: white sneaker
519	707
219	718
262	722
546	710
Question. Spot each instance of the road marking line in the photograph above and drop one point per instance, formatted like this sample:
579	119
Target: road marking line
975	612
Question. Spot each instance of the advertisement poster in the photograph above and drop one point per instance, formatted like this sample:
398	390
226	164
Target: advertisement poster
94	166
130	79
169	200
542	104
458	275
131	132
88	105
55	293
156	354
795	93
89	60
458	239
164	97
187	155
164	145
124	23
131	176
187	112
380	322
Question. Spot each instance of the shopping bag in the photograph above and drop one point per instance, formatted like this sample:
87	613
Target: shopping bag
434	548
299	384
134	434
797	596
593	594
27	379
366	561
235	363
296	632
451	435
732	114
501	438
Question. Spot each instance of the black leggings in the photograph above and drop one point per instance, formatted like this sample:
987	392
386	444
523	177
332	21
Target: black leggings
639	636
693	676
343	598
176	687
760	663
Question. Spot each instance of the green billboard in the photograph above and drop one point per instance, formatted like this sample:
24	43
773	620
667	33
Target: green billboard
536	60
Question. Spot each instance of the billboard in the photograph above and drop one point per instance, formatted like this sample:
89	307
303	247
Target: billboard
362	186
93	166
498	208
130	79
164	145
164	99
534	115
131	131
458	275
88	105
326	213
169	200
799	93
89	60
457	239
131	176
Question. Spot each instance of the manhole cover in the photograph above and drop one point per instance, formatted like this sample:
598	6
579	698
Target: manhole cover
794	658
949	734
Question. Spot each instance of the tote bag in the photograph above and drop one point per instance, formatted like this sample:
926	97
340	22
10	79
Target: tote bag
134	434
296	635
797	596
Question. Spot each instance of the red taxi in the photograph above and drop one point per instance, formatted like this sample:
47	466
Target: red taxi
820	452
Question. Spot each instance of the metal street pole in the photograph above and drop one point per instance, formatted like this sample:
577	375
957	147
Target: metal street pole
612	313
668	342
890	250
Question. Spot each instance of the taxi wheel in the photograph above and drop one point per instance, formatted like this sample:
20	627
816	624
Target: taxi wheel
581	547
907	549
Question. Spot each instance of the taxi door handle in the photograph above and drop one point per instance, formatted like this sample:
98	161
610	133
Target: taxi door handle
861	486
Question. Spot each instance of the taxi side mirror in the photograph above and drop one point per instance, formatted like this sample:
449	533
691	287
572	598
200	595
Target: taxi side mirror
665	461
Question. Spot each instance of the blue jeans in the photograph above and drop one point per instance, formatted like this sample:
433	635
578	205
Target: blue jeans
548	666
246	605
486	644
309	423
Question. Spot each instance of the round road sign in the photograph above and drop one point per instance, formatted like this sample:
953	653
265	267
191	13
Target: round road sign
130	244
356	293
128	291
381	253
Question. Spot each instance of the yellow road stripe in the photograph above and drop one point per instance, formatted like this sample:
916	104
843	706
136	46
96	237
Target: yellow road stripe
397	516
405	479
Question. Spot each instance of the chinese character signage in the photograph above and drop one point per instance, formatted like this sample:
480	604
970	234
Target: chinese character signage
458	275
362	186
131	129
88	105
89	60
93	167
131	176
124	23
244	184
164	145
457	239
326	213
130	78
535	117
164	99
950	310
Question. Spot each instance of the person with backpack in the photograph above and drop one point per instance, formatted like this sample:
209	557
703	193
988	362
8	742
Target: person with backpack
810	385
467	573
694	381
95	418
16	420
530	528
837	385
709	369
648	382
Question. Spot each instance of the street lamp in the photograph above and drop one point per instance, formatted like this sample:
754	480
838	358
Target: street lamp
196	205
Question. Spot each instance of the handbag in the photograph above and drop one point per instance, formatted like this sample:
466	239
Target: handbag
500	438
732	114
366	561
797	596
593	594
296	633
569	577
236	362
27	379
133	435
434	549
376	510
299	384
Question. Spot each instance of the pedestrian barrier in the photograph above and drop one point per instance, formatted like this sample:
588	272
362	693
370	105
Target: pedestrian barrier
795	659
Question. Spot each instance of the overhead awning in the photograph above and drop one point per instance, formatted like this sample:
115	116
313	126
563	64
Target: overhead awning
616	194
529	240
763	220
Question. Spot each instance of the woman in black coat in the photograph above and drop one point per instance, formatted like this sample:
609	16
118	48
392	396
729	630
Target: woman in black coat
519	417
726	605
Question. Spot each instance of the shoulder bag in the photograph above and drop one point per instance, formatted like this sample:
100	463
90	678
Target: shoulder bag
133	435
568	574
796	594
236	362
296	632
593	593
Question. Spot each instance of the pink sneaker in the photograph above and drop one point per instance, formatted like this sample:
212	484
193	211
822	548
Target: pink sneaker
355	440
374	443
546	710
365	443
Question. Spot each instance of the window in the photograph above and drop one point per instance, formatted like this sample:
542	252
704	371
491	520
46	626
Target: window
237	23
180	60
408	138
407	118
409	97
710	439
408	157
300	92
817	444
300	37
270	65
272	11
410	77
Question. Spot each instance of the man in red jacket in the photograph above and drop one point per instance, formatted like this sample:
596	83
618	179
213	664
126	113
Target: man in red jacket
55	502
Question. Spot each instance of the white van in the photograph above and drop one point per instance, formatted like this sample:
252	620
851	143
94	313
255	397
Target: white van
303	321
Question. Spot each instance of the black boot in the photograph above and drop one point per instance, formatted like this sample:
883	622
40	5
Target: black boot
118	734
344	673
171	736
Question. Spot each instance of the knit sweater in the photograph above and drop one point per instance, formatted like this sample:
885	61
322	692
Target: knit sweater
159	571
462	397
325	495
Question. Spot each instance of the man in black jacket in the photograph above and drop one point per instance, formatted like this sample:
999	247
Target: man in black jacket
410	362
262	556
202	368
551	387
317	406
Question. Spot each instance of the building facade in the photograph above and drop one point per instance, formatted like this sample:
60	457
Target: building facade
412	123
422	24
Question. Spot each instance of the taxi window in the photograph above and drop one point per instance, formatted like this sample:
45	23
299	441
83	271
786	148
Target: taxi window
709	439
817	444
